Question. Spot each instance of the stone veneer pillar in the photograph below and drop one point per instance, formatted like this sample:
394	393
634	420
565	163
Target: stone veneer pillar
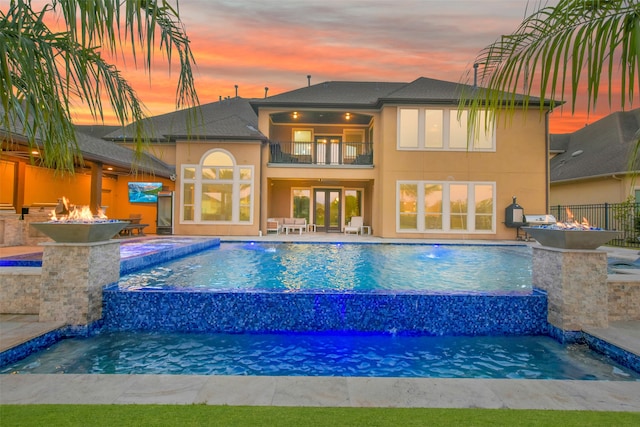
576	286
73	275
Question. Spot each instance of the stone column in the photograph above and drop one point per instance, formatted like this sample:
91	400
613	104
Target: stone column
576	285
73	275
11	232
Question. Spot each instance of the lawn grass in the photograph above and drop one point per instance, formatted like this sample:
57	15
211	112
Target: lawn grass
199	415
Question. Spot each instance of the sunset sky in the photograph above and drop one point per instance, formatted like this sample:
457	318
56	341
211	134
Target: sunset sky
276	43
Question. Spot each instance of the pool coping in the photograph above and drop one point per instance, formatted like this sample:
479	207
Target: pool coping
321	392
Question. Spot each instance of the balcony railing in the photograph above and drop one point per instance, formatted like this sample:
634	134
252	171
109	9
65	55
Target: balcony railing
319	153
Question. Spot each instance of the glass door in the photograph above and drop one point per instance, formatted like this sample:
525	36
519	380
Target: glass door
327	206
328	150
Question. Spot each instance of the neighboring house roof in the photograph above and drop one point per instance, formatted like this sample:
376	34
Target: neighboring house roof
603	148
231	118
558	143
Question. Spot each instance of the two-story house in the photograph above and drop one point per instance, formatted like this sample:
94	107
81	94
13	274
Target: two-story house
396	154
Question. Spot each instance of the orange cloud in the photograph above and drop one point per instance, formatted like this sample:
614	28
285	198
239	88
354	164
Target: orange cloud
256	44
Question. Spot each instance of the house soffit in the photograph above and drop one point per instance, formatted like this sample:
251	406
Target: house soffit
320	118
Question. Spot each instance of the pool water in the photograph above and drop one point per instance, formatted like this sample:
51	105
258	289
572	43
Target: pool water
343	267
525	357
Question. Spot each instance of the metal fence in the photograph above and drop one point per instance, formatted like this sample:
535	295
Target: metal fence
622	217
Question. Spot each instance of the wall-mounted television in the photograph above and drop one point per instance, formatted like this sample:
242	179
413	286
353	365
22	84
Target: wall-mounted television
144	192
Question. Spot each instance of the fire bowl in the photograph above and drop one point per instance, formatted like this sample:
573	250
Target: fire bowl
77	232
570	239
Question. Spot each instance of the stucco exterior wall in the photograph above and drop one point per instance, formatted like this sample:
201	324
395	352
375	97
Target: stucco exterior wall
593	191
121	208
7	179
518	168
43	187
246	153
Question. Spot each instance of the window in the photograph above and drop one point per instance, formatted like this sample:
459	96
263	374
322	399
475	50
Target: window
433	206
302	139
217	190
484	206
352	204
425	207
353	144
408	209
408	128
301	203
441	129
434	135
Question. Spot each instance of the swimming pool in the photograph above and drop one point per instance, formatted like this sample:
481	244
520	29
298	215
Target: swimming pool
361	355
340	319
295	267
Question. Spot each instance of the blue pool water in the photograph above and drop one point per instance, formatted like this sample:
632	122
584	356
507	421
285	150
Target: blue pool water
323	355
344	268
166	322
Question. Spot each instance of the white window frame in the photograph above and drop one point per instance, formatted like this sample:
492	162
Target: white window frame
235	182
302	147
447	115
446	207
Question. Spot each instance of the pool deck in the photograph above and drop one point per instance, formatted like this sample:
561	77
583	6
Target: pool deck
316	391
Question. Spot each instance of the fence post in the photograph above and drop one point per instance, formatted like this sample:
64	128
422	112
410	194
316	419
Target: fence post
606	216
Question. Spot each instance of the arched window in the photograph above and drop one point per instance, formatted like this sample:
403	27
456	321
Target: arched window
217	190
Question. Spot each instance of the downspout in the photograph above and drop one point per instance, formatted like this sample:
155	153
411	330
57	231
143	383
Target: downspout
546	157
260	192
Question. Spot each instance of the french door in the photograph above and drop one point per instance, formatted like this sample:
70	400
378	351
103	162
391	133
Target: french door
327	205
328	150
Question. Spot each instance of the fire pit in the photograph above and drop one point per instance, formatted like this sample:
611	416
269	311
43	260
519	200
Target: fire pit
77	232
571	234
78	225
570	238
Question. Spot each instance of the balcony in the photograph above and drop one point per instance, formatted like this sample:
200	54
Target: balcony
321	153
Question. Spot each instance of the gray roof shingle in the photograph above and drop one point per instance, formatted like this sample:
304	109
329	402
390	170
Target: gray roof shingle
600	149
371	94
231	118
98	150
333	93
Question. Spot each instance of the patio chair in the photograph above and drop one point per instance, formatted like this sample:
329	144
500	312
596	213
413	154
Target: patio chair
274	224
354	226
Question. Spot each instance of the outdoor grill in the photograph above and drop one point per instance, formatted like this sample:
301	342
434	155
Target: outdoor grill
533	220
540	219
514	217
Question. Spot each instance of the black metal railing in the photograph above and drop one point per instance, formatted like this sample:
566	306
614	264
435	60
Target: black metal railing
622	217
320	153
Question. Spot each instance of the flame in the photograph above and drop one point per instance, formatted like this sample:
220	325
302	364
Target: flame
73	213
572	224
569	215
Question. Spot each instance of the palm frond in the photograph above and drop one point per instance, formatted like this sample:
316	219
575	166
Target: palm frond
42	72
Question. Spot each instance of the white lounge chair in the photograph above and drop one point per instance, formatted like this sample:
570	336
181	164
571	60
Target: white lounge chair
354	226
